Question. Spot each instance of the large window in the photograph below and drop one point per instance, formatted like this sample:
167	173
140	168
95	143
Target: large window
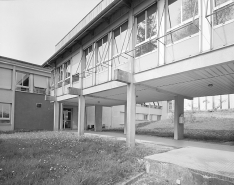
102	53
4	113
60	76
88	61
181	14
223	11
146	31
40	84
67	70
120	43
22	81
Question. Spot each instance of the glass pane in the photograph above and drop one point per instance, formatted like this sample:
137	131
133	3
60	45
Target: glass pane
146	48
105	49
174	13
124	37
22	79
117	42
151	21
183	32
141	28
6	110
218	2
189	6
224	15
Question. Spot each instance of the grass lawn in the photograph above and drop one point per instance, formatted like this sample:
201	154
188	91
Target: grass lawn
60	158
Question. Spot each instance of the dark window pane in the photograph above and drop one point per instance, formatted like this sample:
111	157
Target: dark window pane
224	15
141	27
183	32
5	110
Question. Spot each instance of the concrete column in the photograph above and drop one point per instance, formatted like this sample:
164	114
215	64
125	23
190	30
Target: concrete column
98	118
31	83
56	116
131	114
13	99
61	116
125	118
81	100
85	119
229	106
178	110
81	115
131	88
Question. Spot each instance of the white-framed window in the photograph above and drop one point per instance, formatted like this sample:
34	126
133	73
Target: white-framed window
5	112
22	81
40	84
223	11
146	31
180	17
60	76
67	71
120	43
89	60
102	53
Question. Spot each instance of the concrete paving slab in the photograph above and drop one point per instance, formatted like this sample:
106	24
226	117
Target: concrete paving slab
207	160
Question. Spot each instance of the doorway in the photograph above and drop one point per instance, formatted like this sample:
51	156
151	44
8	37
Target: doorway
67	118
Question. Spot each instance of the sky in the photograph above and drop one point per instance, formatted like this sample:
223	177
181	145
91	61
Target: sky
30	29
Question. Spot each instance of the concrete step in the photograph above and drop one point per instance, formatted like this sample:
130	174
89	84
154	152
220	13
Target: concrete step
193	166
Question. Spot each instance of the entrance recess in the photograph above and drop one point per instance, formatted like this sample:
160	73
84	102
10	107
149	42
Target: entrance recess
67	118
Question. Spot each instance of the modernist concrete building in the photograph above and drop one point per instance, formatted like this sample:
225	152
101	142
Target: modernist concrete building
126	52
22	89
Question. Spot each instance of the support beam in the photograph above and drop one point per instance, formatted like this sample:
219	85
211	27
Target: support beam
50	98
74	91
98	118
164	91
178	111
122	76
81	115
125	118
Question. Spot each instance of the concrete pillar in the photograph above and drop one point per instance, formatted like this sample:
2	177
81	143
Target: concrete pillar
229	106
31	83
125	118
61	116
178	110
85	119
131	88
13	99
98	118
81	115
56	116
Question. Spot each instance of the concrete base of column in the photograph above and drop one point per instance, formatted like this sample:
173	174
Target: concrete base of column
131	115
178	111
125	118
56	116
98	118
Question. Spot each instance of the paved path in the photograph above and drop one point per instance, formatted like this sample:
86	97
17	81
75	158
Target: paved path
169	141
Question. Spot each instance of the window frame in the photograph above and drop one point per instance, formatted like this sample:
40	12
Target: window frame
151	38
217	8
22	86
1	110
66	77
87	71
187	22
98	63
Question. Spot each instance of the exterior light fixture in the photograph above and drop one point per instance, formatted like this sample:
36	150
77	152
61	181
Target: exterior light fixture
210	85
